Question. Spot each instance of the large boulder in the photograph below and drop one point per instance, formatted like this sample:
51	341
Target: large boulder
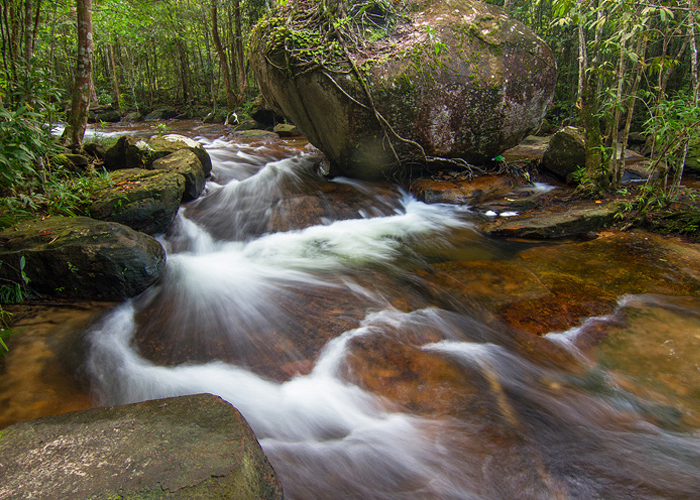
79	257
144	200
178	448
185	163
566	153
458	80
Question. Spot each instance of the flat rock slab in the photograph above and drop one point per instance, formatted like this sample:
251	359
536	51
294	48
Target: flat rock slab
191	447
575	221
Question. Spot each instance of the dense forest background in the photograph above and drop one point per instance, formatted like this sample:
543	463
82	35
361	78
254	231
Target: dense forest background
625	67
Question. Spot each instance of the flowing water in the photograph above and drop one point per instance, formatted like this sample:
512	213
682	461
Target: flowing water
300	302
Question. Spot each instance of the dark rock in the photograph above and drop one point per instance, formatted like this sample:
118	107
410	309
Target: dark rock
471	89
161	114
124	154
565	153
107	114
96	150
575	221
191	447
144	200
247	124
72	162
167	144
186	163
692	161
134	116
79	257
218	116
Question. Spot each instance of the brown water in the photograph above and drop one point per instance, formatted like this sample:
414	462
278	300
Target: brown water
382	348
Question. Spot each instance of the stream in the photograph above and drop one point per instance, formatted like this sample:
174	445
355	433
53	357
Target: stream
315	308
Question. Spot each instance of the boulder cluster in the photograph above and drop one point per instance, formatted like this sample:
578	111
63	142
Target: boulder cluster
111	255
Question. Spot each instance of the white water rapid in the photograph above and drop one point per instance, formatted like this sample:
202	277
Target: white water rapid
292	326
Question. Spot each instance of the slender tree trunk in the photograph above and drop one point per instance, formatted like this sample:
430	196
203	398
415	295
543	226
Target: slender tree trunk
223	61
240	56
115	78
77	120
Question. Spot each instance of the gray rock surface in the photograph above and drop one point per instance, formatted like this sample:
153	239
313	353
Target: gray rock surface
191	447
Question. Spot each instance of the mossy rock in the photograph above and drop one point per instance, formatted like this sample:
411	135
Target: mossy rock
124	154
160	147
470	86
162	114
190	447
144	200
79	257
565	154
186	163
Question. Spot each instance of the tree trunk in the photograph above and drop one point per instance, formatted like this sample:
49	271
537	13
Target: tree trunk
230	98
77	120
239	52
115	78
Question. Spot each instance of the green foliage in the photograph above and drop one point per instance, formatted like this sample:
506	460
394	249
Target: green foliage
24	145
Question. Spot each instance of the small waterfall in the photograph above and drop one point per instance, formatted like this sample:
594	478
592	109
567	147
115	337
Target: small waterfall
354	392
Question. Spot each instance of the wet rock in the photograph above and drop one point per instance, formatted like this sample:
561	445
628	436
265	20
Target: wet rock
248	124
286	130
565	153
186	163
554	287
106	114
159	147
144	200
124	154
179	448
548	224
469	192
42	372
254	134
79	257
162	114
471	88
134	116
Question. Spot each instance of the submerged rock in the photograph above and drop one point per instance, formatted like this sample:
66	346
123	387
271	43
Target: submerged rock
144	200
79	257
459	79
179	448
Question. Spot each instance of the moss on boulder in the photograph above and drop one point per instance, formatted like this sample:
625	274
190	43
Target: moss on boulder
79	257
457	79
144	200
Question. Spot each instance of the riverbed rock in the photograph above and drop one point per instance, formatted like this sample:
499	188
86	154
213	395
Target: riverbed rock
455	191
565	153
170	143
124	154
577	220
459	79
185	163
144	200
161	114
79	257
177	448
107	114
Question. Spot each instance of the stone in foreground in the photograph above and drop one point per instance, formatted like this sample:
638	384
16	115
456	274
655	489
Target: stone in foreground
191	447
79	257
